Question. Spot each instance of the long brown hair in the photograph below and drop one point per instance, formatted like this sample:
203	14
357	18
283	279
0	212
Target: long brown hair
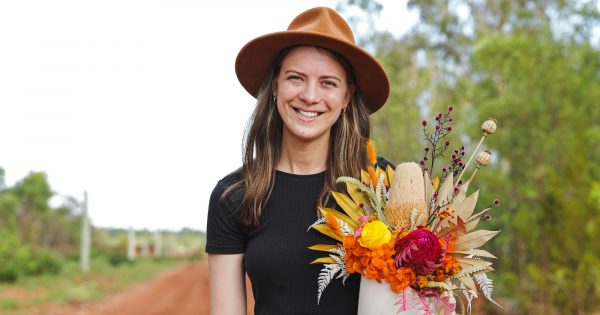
347	153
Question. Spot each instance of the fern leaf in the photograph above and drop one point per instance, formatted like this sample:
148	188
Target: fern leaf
346	276
468	296
319	221
486	285
476	266
327	273
341	251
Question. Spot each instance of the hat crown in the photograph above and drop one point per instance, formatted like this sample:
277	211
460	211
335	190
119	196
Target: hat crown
324	21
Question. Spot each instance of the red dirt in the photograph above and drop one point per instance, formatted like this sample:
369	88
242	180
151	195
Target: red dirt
182	290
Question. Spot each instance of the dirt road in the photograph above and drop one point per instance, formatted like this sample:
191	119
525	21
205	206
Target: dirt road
182	290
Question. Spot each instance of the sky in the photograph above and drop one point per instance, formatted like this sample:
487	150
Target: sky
134	101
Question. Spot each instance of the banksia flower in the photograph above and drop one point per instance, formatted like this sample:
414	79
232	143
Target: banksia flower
407	193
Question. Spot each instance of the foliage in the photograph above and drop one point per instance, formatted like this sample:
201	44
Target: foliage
117	258
33	235
532	65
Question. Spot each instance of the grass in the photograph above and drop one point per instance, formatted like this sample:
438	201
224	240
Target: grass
73	287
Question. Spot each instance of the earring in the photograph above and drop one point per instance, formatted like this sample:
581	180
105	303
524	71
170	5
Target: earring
343	110
274	99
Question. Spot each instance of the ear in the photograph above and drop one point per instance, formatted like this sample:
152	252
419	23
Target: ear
274	86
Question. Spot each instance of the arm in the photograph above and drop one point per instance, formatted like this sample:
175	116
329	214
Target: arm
227	284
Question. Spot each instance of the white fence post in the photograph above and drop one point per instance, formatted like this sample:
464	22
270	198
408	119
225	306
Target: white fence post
157	244
131	244
84	254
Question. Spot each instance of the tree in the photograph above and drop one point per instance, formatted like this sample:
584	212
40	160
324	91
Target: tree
530	64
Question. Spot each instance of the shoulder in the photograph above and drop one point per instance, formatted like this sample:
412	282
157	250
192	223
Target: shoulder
229	190
383	163
231	178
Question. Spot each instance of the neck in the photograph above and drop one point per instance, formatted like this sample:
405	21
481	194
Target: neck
303	157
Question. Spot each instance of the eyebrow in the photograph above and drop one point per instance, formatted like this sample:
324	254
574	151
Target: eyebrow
321	77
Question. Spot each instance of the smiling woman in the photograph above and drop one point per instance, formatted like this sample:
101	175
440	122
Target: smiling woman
311	90
315	90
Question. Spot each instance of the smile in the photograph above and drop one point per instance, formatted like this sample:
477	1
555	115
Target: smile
307	114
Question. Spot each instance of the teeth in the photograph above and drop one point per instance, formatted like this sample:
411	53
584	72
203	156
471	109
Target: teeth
308	114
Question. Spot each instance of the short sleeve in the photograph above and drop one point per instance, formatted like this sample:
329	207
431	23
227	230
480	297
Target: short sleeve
225	233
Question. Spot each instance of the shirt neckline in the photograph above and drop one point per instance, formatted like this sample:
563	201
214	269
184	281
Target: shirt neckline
300	176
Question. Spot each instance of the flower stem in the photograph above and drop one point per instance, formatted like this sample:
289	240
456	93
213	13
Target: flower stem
471	158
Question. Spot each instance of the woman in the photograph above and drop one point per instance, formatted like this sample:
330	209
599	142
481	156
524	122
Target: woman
315	89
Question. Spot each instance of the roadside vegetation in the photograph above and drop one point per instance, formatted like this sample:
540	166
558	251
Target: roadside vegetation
39	251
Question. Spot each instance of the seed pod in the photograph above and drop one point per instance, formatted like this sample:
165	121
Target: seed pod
484	157
489	126
408	193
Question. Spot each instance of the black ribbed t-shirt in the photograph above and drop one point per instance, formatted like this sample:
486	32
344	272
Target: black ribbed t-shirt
276	254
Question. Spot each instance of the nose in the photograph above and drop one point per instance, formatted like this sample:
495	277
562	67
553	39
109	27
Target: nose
310	93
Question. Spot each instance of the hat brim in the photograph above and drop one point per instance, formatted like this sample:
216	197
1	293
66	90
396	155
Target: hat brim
255	59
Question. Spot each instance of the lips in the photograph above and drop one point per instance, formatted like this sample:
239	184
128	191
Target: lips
307	114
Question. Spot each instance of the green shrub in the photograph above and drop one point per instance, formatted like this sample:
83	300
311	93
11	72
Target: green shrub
8	272
117	258
30	263
48	263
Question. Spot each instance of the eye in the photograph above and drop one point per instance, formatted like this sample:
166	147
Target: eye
330	83
294	78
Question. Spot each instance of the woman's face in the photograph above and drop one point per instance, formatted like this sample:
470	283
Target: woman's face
311	90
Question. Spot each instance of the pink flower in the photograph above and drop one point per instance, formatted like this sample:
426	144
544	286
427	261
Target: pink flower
363	219
420	250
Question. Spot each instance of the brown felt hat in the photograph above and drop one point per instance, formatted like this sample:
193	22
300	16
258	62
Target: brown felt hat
322	27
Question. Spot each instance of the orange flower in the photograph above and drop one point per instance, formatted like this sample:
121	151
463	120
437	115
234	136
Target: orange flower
377	264
447	243
450	265
333	224
371	151
372	175
402	277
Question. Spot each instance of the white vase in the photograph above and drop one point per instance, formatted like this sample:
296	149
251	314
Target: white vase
378	299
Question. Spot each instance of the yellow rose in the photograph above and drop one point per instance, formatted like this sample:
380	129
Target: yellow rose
374	234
